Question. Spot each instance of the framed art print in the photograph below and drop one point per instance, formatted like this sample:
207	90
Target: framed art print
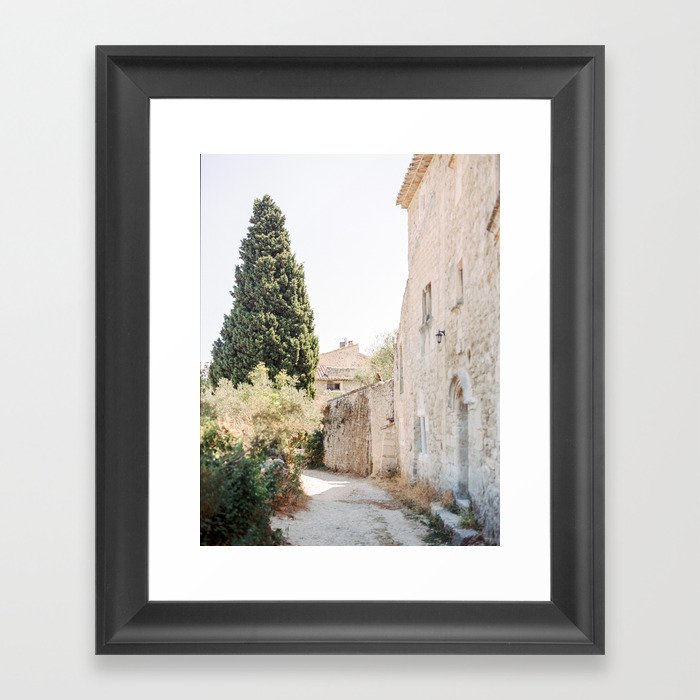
350	350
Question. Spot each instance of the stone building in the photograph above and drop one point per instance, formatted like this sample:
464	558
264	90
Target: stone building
337	370
446	379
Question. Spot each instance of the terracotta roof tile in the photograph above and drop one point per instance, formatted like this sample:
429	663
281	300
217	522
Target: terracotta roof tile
414	175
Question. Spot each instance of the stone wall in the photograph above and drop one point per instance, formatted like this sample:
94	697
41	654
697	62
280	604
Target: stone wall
359	431
447	393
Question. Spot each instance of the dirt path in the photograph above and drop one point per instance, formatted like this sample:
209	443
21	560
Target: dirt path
349	510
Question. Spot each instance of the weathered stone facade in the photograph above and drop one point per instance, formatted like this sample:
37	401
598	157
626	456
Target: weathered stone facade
359	433
446	391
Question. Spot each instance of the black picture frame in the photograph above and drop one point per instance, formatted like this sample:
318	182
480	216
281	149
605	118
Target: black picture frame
572	78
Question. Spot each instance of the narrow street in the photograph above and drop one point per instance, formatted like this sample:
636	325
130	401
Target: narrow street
348	510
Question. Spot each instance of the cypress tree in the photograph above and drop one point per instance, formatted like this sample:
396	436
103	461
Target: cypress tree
271	320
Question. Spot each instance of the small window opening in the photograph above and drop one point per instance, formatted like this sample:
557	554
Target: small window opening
459	283
427	303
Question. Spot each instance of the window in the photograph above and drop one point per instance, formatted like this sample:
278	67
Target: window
332	386
459	283
423	435
427	303
458	180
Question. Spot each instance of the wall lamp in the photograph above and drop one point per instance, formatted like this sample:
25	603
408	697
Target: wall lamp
439	335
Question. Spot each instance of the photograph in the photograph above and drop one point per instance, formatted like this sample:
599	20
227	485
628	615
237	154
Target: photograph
349	350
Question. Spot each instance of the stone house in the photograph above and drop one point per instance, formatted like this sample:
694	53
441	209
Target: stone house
446	379
337	370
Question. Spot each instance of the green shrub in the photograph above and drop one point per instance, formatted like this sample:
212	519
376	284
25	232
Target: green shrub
267	415
273	474
381	360
313	451
205	409
213	440
289	494
467	519
249	462
282	479
236	493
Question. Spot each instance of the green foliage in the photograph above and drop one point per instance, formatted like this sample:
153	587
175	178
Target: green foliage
288	494
274	475
213	440
249	466
313	451
265	414
381	361
437	533
236	493
271	320
467	519
205	410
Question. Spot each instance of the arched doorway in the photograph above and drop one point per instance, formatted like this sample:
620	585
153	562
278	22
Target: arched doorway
460	400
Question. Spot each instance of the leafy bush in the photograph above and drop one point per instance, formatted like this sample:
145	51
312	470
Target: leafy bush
467	519
205	409
313	451
267	415
273	473
236	493
381	361
213	441
249	467
289	495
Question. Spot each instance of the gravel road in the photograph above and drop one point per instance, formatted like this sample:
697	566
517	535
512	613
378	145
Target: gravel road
348	510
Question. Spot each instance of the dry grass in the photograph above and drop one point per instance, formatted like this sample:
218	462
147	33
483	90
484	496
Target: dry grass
448	500
291	496
288	503
416	497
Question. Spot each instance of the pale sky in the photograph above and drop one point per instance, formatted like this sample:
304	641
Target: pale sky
344	226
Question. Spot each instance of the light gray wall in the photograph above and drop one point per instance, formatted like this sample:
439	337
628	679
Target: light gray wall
46	273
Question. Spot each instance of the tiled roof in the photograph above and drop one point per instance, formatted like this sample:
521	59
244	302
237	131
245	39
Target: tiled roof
414	175
325	372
